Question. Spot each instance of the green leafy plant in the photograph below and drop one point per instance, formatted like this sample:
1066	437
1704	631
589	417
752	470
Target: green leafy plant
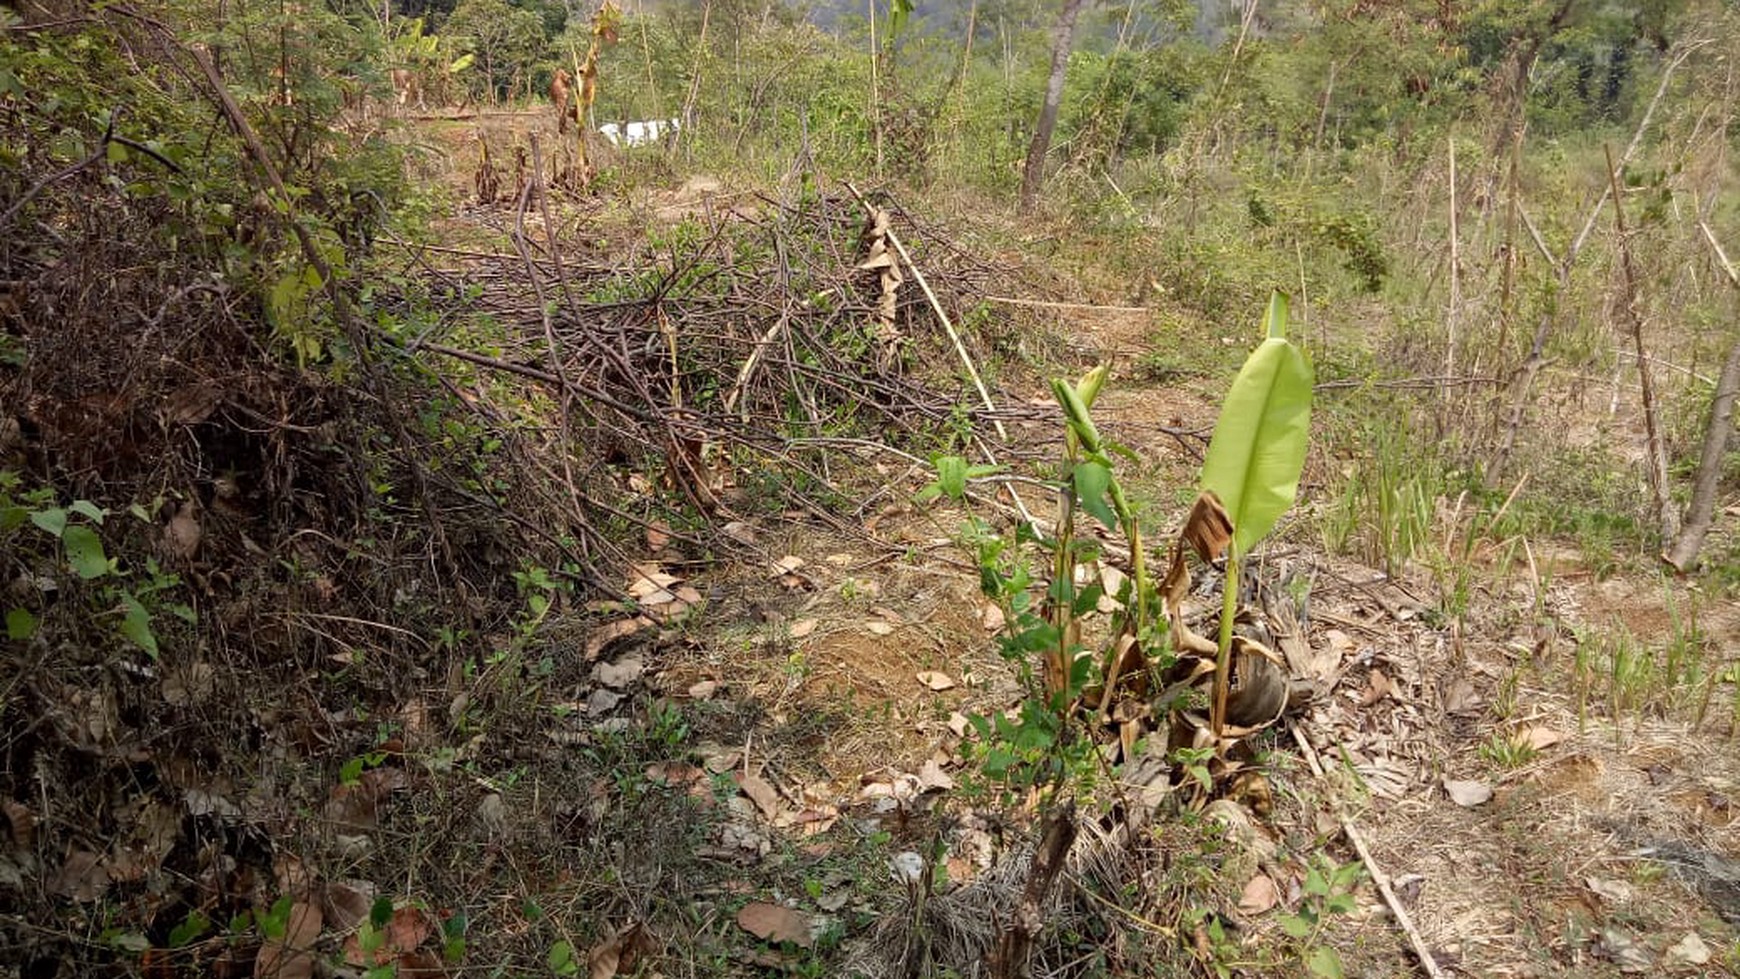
125	600
1255	458
1328	891
561	959
1041	744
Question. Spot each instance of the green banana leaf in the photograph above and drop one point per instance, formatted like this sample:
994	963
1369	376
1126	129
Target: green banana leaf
1258	449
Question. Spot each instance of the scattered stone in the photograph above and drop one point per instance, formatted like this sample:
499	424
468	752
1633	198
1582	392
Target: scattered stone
936	680
1689	950
1624	951
1468	793
1612	892
602	701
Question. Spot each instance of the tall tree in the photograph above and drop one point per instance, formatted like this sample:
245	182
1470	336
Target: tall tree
1062	40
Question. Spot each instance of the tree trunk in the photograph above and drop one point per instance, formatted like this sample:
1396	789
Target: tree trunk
1062	39
1701	512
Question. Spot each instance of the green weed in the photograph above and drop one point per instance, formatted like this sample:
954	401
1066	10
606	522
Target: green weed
1505	750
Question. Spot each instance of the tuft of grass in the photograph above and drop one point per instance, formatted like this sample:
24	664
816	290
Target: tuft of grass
1615	669
1506	750
1387	505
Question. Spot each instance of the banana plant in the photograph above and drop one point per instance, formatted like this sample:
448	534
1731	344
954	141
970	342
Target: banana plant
1254	461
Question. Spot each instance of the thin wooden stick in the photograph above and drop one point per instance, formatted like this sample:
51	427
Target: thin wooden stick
1535	233
948	325
1656	466
1453	311
1403	920
753	360
1721	256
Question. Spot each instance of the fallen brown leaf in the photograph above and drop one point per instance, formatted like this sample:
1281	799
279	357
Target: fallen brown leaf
22	822
407	929
718	760
1260	895
773	923
347	902
760	793
1538	736
622	672
290	957
649	579
82	877
931	778
802	628
181	537
1378	687
1461	697
608	633
619	954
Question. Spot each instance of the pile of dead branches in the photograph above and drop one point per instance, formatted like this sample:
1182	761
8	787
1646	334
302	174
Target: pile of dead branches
753	335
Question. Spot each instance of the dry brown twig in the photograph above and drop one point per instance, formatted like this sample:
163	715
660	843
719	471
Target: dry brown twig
1655	451
1404	920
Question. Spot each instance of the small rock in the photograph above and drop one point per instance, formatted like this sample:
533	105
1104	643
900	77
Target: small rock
1610	891
1624	951
936	680
907	866
602	701
1689	950
1467	793
622	672
492	815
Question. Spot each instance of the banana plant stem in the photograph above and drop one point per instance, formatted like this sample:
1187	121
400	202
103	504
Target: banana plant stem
1223	661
